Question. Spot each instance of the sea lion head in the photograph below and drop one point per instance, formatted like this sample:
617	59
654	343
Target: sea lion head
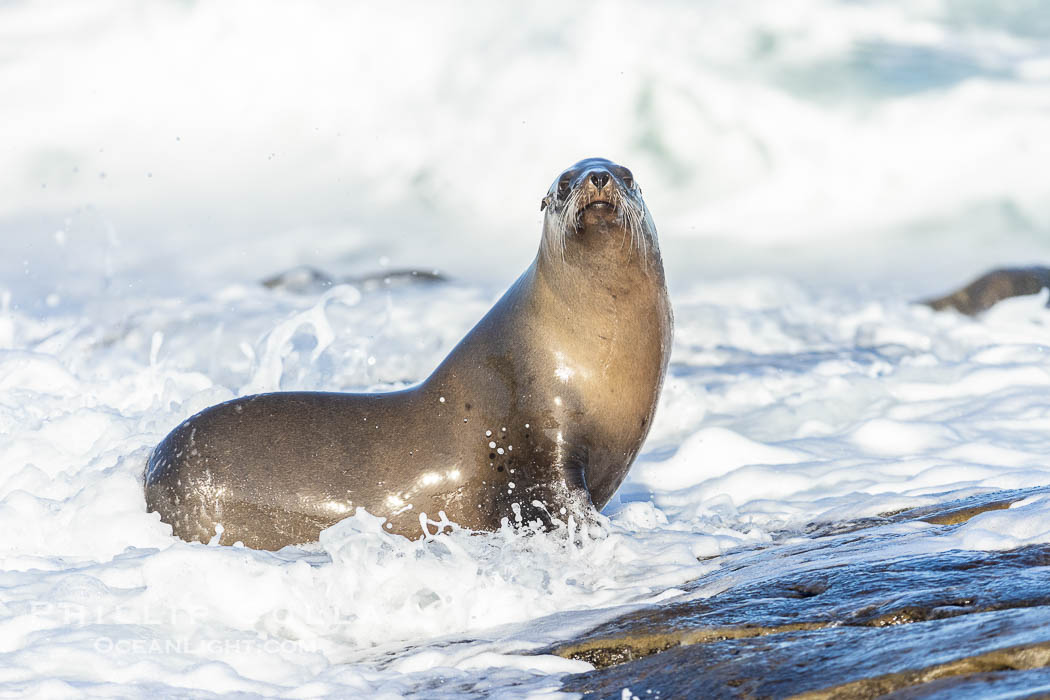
596	205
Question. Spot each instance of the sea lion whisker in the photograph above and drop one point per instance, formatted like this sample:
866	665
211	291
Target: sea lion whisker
630	224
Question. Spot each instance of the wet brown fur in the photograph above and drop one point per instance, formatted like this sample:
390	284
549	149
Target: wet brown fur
537	414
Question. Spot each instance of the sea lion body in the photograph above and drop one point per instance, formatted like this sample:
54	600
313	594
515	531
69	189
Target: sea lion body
537	414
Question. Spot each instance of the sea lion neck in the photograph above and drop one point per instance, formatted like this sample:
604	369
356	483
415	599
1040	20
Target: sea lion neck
595	260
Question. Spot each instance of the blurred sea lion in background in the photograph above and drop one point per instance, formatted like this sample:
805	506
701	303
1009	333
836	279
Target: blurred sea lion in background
991	288
309	280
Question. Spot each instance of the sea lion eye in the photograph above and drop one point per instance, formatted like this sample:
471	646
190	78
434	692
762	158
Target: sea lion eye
563	186
628	179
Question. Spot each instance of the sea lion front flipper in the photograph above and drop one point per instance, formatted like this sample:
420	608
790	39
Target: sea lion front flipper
574	470
577	497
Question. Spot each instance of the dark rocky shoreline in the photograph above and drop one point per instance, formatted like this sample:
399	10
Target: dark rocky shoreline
828	617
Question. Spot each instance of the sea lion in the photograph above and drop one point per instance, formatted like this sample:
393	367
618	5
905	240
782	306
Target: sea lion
309	280
536	415
991	288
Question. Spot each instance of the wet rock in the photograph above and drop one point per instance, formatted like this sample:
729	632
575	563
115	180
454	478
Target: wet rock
1014	683
828	617
829	663
951	512
951	676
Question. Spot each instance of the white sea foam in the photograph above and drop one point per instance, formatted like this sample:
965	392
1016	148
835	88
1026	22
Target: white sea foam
812	166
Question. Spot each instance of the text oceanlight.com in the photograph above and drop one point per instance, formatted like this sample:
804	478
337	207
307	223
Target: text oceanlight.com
211	647
167	622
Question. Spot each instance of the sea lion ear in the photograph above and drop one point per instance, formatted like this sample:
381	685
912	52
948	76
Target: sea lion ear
544	202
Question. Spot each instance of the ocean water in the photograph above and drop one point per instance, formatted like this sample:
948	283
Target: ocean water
813	167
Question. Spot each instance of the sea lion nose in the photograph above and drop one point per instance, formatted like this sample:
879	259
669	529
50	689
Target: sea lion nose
600	179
